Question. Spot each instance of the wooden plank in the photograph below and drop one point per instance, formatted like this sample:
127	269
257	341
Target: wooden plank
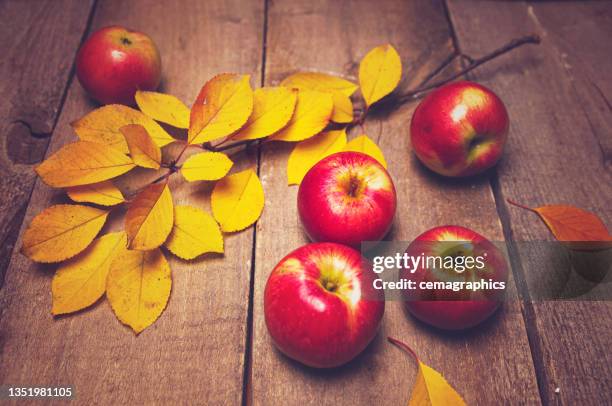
489	365
38	45
195	351
559	152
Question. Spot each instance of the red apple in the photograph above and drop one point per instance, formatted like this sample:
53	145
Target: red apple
347	198
115	62
445	308
315	304
459	129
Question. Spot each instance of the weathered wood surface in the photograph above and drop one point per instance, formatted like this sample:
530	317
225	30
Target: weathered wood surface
195	351
332	37
38	45
559	152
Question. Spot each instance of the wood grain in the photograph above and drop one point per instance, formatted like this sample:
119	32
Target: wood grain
332	37
558	152
195	351
38	45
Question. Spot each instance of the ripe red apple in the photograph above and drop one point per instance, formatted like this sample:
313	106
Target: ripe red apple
347	198
448	309
115	62
315	304
459	129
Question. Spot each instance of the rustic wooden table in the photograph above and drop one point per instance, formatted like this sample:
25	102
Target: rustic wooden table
211	345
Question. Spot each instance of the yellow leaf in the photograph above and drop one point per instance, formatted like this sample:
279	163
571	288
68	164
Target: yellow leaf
237	200
431	389
312	113
103	193
380	72
319	81
81	281
83	163
149	218
163	107
343	108
307	153
222	107
143	150
60	232
102	126
206	166
366	146
138	287
195	232
272	110
340	89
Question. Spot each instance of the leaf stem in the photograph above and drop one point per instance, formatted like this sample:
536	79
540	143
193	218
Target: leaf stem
522	206
404	347
221	148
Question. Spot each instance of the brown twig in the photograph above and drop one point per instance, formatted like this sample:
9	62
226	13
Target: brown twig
473	64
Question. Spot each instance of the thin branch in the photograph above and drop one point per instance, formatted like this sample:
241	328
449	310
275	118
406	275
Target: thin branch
221	148
515	43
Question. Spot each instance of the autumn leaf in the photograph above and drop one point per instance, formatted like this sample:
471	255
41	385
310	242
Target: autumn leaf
194	233
103	193
149	218
312	113
83	163
340	89
307	153
366	146
81	281
143	150
430	389
272	110
62	231
237	200
102	126
380	72
206	166
163	107
577	228
138	287
222	107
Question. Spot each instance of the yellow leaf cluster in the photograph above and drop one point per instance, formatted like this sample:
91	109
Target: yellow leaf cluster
307	153
380	72
237	200
61	232
206	166
81	281
102	126
340	89
138	287
222	107
163	107
312	113
83	163
195	232
149	218
272	110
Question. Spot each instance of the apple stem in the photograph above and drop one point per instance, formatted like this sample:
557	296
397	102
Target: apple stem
522	206
404	347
